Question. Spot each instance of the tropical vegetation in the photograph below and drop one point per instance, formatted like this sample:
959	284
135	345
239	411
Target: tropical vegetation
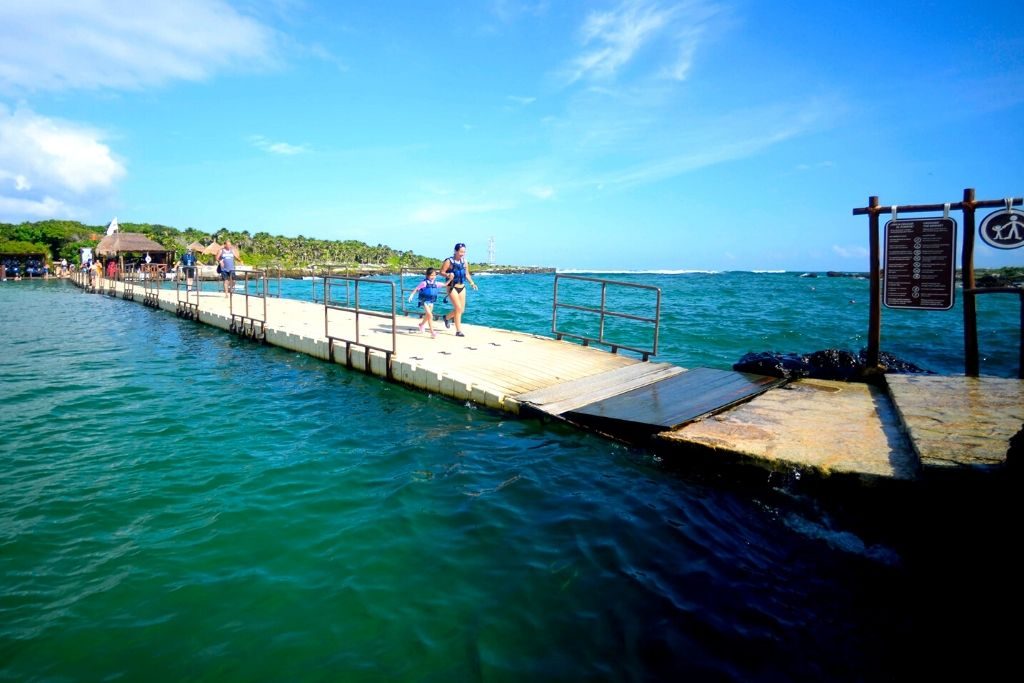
62	239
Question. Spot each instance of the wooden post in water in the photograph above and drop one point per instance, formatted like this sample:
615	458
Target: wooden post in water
875	319
967	276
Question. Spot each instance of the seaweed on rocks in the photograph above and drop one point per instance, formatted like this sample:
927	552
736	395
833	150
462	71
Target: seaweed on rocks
836	364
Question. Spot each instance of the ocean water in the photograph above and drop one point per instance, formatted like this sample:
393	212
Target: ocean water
179	504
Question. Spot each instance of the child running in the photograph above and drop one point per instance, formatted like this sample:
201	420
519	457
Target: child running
428	295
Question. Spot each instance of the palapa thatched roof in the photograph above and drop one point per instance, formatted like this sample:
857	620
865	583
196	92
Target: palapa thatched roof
196	246
128	242
214	248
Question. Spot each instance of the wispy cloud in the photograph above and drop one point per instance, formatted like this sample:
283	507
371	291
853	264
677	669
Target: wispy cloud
319	51
815	166
510	10
285	148
850	252
679	69
48	166
523	101
613	39
438	213
123	44
726	137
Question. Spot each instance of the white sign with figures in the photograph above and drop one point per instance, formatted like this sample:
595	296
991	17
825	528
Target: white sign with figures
1003	229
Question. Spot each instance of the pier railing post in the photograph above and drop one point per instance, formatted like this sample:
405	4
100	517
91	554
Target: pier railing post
875	317
967	276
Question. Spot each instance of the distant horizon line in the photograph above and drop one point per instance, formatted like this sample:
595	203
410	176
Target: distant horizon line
694	271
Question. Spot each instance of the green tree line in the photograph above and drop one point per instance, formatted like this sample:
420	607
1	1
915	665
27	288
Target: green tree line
59	239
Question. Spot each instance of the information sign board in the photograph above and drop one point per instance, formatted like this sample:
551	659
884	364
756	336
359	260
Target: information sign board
919	263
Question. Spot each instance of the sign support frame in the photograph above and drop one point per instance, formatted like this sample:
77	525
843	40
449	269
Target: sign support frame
968	206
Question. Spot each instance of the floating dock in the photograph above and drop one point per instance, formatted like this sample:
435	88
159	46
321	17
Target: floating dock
901	431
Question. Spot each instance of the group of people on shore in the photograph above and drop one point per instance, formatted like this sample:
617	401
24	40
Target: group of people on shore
455	271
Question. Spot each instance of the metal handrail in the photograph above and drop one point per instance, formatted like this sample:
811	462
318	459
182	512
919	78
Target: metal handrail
403	291
261	280
317	278
128	280
442	295
189	303
151	285
603	312
358	312
276	277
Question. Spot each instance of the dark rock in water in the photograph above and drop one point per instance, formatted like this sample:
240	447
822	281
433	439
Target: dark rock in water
834	364
838	364
896	365
787	365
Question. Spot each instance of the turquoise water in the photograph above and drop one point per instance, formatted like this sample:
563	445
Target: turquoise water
712	319
180	504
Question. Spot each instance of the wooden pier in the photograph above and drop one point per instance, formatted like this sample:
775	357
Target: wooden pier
914	425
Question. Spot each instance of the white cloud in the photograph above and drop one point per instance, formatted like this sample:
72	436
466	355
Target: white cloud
49	165
285	148
19	181
123	44
523	101
47	207
545	192
850	252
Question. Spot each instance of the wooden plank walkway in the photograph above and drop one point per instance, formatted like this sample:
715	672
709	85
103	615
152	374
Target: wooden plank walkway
488	366
921	423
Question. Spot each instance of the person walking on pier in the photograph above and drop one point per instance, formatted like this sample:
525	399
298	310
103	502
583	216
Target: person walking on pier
95	275
188	267
456	270
226	261
428	295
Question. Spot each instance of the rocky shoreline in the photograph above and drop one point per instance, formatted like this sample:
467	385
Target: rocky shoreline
836	364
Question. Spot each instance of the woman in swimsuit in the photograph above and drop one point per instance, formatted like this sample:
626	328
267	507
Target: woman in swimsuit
456	270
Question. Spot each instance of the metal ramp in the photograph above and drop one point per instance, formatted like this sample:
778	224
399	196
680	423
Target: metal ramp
647	397
568	396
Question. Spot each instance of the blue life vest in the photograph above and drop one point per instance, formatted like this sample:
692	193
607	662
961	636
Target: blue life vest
458	271
428	294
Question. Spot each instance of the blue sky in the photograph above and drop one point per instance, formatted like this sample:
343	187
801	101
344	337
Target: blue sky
628	134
